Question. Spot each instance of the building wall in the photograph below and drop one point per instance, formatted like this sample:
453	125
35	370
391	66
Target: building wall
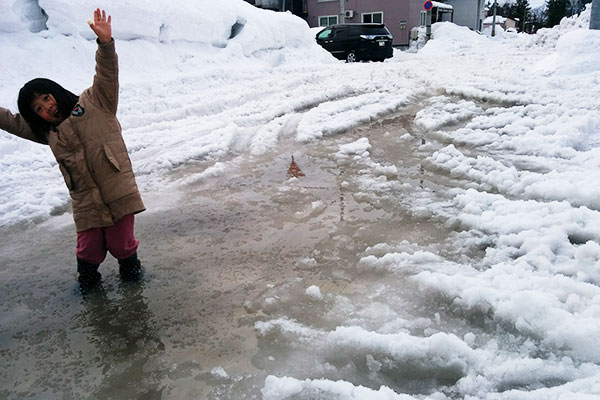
469	13
510	23
317	9
504	23
414	17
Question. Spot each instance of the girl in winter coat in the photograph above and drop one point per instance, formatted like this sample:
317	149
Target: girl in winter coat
85	137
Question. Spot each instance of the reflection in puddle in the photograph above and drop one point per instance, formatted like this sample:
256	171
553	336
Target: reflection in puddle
294	170
120	329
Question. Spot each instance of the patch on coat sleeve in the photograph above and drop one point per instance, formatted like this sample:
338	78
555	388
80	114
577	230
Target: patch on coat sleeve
78	111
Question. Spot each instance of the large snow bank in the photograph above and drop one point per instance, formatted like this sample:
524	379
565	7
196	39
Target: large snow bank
548	37
151	36
204	22
577	53
449	38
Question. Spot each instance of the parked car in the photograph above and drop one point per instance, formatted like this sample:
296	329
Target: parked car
357	42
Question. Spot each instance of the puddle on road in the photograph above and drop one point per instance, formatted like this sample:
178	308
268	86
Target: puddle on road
238	248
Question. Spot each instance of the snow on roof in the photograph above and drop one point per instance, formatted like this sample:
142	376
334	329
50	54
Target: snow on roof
499	20
442	5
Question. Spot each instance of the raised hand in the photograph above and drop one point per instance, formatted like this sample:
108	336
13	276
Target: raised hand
101	26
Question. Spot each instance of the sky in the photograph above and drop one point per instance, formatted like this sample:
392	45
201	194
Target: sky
532	3
528	146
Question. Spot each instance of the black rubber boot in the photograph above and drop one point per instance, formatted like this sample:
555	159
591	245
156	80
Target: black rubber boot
130	268
89	277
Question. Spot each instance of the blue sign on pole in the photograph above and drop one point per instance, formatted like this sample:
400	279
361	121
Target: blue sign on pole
428	5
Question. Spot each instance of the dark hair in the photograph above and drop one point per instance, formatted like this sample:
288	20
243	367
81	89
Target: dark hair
39	86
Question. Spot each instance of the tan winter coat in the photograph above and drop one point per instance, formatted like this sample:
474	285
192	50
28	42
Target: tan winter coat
90	151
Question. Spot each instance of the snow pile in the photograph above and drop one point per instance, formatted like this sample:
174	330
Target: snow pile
548	37
186	21
474	366
314	292
499	19
151	36
439	356
533	205
577	53
441	113
280	388
448	38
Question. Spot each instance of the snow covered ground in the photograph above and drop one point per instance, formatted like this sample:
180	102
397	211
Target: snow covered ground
514	118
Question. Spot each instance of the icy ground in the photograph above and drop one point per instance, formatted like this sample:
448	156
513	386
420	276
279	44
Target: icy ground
444	242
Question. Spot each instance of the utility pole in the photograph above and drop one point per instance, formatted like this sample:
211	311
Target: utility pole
342	12
428	24
595	19
494	19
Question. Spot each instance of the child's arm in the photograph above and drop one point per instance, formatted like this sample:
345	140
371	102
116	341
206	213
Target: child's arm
15	124
105	89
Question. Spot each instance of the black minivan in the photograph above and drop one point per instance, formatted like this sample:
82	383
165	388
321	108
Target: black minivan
357	42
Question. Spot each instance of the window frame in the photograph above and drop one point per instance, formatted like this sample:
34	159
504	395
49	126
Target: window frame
329	17
371	13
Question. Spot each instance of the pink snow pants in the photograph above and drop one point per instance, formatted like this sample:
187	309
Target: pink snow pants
118	239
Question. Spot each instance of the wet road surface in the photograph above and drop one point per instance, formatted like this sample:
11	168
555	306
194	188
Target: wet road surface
226	252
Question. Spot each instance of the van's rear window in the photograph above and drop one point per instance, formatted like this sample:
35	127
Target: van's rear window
375	30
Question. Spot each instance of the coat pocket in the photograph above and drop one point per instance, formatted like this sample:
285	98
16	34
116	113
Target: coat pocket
111	158
66	175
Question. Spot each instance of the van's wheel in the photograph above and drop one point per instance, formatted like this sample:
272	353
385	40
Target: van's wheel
351	57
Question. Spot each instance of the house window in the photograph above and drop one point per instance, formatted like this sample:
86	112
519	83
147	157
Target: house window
372	18
423	18
327	20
